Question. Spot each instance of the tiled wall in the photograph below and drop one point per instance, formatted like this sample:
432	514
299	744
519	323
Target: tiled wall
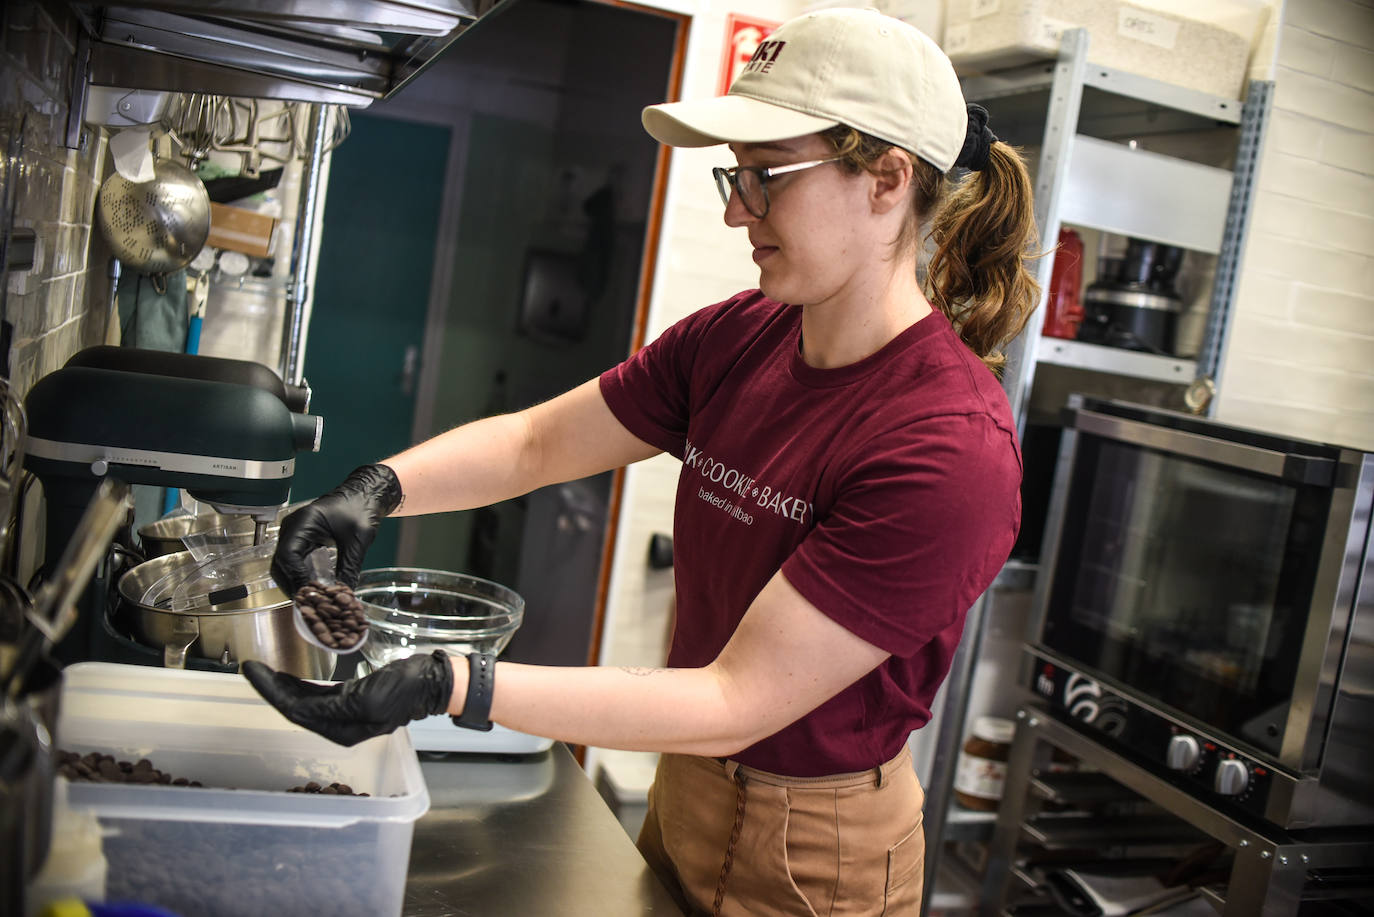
53	309
58	307
1301	355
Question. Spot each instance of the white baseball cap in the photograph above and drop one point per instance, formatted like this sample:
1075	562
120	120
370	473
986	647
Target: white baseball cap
872	72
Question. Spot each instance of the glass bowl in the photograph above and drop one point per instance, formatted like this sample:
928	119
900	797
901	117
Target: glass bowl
413	611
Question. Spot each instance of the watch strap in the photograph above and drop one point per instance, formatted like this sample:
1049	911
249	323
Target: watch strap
477	706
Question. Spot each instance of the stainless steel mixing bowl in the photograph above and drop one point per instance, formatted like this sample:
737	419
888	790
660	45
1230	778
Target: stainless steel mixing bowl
258	627
163	536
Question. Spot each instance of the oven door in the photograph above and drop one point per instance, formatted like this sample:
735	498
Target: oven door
1181	562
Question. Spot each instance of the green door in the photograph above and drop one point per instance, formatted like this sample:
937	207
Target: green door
381	217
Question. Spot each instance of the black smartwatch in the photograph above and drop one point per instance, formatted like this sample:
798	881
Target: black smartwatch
477	706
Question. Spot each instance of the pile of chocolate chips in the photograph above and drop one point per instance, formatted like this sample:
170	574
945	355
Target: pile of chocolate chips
103	768
333	614
334	789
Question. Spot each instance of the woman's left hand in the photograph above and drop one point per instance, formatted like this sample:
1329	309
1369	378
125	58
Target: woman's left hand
353	711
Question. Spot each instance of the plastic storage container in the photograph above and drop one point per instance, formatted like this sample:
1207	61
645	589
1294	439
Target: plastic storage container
984	35
255	849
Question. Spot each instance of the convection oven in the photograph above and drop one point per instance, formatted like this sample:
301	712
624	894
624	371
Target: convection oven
1204	605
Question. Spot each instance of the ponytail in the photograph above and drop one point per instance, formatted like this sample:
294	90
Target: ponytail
984	232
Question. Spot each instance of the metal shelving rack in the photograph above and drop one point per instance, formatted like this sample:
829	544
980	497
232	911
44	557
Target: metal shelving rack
1089	177
1271	872
1118	188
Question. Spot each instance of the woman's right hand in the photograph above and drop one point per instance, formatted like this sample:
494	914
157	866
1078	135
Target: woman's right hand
346	517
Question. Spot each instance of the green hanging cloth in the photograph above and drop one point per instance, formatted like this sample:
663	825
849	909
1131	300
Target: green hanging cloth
152	313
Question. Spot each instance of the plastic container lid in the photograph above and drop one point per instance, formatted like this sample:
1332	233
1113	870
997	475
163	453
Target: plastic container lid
994	729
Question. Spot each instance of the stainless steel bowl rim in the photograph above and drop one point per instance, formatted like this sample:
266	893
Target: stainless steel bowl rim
184	558
176	526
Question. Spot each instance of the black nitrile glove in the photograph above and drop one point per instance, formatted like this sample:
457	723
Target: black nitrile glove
353	711
346	517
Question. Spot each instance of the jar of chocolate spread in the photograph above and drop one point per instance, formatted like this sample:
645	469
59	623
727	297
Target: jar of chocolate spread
981	773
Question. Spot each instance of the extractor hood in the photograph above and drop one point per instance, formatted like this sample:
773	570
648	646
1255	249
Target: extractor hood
348	52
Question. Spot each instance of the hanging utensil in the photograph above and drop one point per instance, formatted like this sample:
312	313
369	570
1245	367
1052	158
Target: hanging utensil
9	197
157	226
55	605
13	431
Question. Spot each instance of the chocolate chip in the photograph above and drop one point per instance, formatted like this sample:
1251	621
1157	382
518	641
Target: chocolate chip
333	614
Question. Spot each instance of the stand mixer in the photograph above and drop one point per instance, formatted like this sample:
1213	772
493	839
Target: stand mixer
228	444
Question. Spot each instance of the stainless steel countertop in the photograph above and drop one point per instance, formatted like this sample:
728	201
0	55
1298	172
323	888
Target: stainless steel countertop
522	836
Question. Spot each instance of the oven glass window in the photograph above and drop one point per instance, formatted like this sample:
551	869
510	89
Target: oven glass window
1185	581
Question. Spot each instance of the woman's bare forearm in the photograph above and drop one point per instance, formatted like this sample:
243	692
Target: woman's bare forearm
477	464
569	437
686	711
784	659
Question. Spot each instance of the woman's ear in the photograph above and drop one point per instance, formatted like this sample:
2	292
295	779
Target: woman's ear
892	174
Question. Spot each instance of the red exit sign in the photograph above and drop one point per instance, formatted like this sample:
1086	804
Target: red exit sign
742	37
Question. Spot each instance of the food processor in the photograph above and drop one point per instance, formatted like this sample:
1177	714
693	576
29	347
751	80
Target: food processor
1134	304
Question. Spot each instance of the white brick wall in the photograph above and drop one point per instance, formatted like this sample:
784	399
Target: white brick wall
1300	359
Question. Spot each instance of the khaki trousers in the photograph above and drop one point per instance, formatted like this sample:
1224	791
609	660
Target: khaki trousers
732	840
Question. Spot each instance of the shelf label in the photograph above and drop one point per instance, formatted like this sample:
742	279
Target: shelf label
957	38
1050	31
1147	26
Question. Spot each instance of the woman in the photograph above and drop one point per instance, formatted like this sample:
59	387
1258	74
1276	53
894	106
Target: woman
849	485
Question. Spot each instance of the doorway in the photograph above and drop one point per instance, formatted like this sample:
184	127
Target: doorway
372	294
539	246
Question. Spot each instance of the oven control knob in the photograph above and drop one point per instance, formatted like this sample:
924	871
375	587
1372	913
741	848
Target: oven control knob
1183	753
1231	778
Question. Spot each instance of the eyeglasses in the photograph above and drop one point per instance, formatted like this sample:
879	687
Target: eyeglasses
752	182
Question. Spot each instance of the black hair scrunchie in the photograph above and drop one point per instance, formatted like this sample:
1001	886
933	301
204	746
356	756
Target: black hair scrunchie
978	141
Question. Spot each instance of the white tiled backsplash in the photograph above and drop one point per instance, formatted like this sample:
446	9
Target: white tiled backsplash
57	308
1301	355
54	309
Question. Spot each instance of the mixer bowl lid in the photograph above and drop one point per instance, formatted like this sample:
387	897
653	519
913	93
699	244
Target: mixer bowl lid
236	583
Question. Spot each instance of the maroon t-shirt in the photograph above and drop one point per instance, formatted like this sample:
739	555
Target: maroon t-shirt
887	492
